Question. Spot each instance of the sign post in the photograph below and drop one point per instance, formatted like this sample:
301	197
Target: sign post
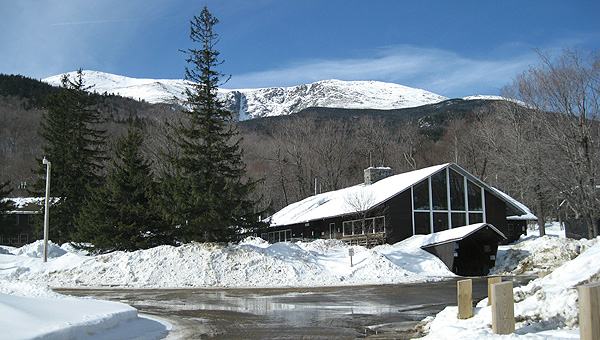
351	253
46	215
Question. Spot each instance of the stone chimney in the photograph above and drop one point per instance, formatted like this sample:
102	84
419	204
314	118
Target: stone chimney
373	175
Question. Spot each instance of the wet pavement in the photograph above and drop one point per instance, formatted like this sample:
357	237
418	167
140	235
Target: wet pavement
372	312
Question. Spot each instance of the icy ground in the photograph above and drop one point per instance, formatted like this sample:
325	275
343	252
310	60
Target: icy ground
545	309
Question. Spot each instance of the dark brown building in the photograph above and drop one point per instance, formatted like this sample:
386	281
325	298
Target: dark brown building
390	208
469	250
19	230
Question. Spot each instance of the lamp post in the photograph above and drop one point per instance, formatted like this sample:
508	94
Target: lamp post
46	216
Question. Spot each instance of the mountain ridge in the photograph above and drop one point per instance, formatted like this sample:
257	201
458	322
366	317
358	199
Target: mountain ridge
265	102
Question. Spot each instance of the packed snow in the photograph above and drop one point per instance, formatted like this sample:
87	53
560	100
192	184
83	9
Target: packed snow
545	309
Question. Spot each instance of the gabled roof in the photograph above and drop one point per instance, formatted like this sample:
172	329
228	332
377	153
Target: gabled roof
334	203
456	234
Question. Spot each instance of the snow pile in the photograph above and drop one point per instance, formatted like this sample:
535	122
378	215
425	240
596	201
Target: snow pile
23	303
31	311
251	263
533	254
546	308
36	249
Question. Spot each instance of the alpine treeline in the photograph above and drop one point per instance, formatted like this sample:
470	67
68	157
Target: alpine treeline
200	195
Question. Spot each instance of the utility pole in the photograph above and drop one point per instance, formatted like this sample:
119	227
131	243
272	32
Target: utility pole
46	215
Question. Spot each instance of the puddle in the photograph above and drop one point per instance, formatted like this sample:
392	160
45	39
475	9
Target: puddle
294	313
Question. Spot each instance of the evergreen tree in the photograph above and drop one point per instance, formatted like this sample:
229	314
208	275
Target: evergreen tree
209	196
123	215
75	147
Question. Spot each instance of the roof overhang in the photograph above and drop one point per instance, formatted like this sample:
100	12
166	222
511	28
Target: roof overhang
459	234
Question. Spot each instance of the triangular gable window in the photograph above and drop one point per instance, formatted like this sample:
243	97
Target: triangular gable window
440	202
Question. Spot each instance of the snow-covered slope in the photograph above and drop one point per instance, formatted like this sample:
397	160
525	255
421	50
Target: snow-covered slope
331	93
275	101
154	91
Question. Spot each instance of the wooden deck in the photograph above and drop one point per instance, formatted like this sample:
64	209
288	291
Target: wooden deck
368	240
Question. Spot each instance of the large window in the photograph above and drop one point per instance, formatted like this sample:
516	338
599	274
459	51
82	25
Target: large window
371	225
446	200
439	192
280	236
422	223
421	195
457	191
474	197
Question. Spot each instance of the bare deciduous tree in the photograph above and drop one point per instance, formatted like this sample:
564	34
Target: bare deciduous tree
565	90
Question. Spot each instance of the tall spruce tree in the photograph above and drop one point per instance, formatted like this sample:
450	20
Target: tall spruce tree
209	197
123	214
74	144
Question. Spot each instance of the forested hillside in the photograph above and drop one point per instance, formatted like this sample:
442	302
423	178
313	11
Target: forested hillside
524	151
22	103
329	147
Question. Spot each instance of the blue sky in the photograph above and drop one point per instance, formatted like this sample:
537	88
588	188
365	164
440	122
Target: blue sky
453	48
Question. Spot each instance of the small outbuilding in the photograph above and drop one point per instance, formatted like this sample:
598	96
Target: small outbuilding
18	229
466	251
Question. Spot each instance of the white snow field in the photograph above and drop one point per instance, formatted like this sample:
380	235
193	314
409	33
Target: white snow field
263	102
545	309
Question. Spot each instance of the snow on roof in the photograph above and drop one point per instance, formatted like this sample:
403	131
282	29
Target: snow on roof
456	234
527	215
335	203
24	204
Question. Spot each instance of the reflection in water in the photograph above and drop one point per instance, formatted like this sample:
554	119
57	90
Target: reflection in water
309	313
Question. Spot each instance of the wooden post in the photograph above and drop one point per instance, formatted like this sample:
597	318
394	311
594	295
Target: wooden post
491	281
503	308
465	299
589	311
542	274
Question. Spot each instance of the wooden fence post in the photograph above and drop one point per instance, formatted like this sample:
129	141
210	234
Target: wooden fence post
542	274
465	298
491	281
589	312
503	308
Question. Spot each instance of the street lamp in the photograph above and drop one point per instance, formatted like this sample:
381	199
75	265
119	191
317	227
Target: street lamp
46	216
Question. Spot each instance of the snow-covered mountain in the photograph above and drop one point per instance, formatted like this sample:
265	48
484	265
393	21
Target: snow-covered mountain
169	91
331	93
265	102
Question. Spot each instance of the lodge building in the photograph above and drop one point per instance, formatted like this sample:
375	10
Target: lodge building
389	208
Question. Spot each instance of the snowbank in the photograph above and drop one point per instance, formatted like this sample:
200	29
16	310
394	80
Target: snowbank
26	299
533	254
544	309
31	311
251	263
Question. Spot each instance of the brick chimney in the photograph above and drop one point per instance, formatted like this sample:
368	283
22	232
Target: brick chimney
373	175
